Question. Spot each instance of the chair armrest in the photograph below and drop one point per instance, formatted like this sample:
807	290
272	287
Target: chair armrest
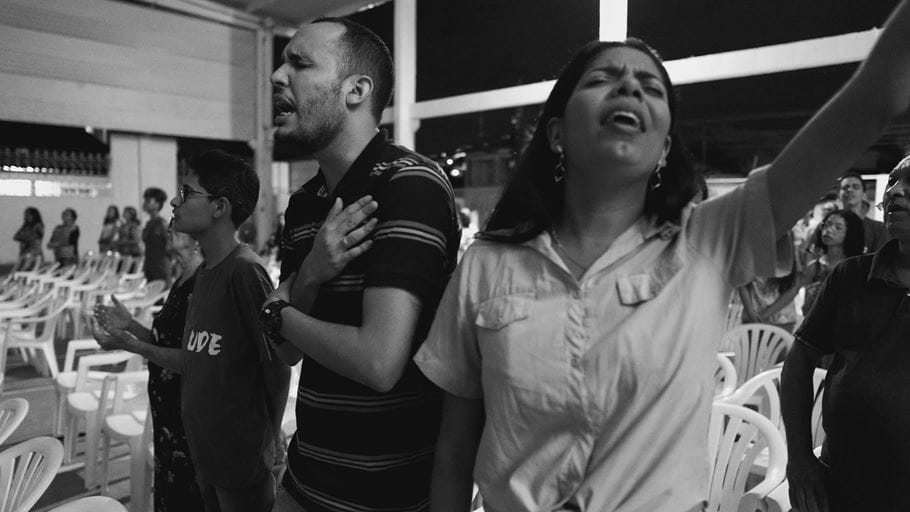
72	347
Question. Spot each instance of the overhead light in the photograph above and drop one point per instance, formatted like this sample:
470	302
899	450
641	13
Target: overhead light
454	173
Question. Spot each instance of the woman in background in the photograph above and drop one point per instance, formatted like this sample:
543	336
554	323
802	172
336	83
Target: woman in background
109	229
65	239
175	477
839	236
129	233
29	237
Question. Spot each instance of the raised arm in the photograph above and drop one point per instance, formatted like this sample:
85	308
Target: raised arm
837	135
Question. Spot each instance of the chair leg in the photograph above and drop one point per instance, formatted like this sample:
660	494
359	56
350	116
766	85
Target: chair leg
91	450
139	479
104	470
59	418
47	352
69	438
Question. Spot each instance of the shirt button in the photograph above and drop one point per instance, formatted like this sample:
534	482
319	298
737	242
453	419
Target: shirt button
576	361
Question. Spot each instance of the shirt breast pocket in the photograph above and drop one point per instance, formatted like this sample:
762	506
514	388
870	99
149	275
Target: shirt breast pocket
518	347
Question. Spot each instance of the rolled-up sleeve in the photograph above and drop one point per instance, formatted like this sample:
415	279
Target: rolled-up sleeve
450	356
736	232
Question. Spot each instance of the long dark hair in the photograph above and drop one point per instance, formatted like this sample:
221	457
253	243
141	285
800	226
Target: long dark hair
854	238
111	217
532	200
35	215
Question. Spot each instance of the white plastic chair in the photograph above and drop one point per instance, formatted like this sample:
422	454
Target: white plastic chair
756	348
92	504
724	377
762	393
26	471
126	424
83	405
12	412
736	436
66	379
22	333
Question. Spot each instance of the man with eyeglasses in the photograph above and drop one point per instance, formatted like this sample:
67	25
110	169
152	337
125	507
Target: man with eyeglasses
862	317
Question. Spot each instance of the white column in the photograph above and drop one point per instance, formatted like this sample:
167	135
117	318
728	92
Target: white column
139	162
405	43
614	20
264	215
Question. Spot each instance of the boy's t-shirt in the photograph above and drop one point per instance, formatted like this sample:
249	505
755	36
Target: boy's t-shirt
224	410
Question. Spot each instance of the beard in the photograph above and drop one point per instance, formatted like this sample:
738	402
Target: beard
318	124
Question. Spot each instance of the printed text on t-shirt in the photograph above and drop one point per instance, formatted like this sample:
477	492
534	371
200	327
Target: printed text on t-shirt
203	340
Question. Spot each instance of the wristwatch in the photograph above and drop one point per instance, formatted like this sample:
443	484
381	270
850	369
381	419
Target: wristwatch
270	319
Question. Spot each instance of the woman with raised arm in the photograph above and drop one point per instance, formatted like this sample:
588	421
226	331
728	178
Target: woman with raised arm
576	341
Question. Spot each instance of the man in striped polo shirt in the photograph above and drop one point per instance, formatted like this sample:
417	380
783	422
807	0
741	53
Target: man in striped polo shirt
360	285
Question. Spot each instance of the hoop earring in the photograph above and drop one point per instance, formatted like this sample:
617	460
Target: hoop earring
656	180
559	172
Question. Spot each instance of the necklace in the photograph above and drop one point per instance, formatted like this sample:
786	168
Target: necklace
563	252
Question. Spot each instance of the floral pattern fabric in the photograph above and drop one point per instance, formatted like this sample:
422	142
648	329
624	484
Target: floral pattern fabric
175	476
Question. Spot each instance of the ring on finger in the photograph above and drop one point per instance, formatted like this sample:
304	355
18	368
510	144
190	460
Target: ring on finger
344	242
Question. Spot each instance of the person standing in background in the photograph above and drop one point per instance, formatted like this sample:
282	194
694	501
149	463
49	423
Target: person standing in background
29	237
129	234
109	230
157	260
852	193
65	239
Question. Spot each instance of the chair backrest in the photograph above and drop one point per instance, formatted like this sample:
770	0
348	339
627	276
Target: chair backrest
92	504
124	392
763	393
154	288
88	362
736	436
26	471
12	412
818	386
724	377
757	347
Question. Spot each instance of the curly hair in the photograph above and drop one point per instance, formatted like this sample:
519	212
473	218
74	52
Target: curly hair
854	238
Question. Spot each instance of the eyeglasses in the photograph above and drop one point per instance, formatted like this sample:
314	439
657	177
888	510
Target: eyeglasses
186	191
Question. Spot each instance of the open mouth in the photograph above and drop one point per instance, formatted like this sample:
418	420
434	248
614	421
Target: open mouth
624	119
282	108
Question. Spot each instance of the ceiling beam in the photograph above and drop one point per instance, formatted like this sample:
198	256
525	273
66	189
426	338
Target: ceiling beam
810	53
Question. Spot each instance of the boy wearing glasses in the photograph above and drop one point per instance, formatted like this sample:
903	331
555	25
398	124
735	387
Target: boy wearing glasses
234	389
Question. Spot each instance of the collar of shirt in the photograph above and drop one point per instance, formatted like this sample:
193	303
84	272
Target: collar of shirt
641	231
354	180
882	268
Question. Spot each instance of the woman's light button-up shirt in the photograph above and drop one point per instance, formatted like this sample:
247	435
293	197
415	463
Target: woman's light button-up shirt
597	391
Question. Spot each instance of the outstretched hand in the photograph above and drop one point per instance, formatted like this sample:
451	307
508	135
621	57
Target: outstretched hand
113	318
342	237
106	339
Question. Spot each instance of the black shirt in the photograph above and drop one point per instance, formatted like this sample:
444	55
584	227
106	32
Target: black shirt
862	316
355	448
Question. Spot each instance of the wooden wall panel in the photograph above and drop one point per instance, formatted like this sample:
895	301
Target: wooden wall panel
125	67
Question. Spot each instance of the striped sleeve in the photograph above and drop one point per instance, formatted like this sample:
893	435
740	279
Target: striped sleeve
415	241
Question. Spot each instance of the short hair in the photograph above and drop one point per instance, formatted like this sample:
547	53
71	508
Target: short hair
225	175
134	215
364	53
157	194
71	212
532	201
850	174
